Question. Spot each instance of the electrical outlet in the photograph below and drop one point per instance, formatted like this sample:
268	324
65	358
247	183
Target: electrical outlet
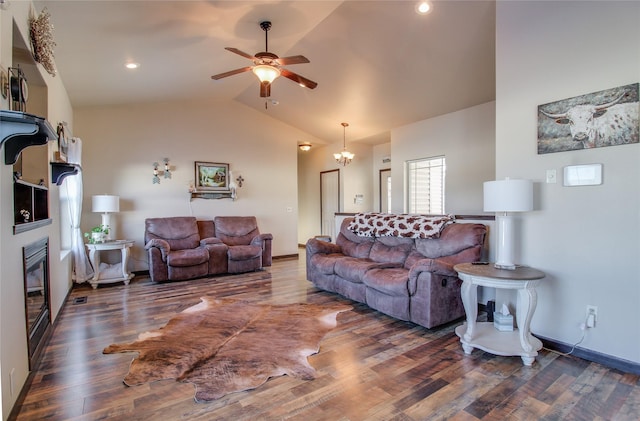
592	316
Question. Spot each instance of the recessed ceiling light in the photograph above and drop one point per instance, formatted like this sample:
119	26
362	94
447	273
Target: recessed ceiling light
132	65
423	7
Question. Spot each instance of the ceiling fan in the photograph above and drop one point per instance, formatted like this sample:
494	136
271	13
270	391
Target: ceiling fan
268	66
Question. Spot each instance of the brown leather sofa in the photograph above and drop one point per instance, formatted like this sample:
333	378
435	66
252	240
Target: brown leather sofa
406	278
181	248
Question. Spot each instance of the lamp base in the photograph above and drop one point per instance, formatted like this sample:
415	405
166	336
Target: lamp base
106	222
504	258
507	266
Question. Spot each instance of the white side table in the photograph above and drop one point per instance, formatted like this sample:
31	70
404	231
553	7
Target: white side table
94	256
484	335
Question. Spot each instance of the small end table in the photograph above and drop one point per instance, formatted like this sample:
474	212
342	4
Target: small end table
94	256
483	335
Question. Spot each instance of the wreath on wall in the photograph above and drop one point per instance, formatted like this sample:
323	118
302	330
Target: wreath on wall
41	32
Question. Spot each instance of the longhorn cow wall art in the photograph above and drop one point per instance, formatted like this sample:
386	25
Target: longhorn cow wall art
604	118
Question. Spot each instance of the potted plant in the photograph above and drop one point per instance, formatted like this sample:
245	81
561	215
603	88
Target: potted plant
97	234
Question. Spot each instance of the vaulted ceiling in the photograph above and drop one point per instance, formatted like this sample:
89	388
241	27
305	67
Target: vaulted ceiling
378	64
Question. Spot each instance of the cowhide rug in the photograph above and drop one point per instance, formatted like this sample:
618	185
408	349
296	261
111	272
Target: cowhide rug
224	346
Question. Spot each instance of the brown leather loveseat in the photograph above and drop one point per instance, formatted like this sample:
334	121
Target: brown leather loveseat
181	247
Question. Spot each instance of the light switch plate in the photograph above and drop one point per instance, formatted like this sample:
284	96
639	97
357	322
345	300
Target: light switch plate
552	177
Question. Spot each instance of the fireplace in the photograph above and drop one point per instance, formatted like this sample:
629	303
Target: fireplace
36	293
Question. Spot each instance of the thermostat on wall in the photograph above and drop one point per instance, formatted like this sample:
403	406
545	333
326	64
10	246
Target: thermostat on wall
583	175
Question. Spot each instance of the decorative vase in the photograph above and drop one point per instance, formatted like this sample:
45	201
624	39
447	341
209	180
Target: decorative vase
97	237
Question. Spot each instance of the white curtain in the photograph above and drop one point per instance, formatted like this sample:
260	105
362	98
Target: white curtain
82	270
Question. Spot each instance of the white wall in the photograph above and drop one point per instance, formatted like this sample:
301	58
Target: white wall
587	239
50	100
467	140
355	178
120	144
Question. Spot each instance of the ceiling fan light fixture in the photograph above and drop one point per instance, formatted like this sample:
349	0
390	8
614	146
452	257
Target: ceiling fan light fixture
266	73
268	66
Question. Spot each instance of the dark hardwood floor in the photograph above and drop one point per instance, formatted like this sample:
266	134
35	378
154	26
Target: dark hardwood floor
371	367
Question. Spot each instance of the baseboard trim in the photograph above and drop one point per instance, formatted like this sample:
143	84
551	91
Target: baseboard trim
593	356
286	256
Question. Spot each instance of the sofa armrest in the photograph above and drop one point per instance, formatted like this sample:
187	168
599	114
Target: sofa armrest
215	246
425	271
315	246
437	266
161	244
258	240
210	240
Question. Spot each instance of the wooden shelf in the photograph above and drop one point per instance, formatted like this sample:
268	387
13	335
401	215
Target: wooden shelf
211	195
20	130
60	170
34	199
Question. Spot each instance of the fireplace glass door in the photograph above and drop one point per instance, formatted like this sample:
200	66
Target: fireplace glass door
36	289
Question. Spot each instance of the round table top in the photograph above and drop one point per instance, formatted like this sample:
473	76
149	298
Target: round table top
110	244
520	273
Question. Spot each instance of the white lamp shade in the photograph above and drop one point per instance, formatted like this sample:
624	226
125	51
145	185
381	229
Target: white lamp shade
508	195
105	203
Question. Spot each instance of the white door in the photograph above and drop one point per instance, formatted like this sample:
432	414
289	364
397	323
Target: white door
329	201
385	190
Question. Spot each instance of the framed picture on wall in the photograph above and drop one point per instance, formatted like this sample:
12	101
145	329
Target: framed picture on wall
212	177
595	120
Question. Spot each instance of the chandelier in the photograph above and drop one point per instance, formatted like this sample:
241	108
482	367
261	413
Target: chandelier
344	157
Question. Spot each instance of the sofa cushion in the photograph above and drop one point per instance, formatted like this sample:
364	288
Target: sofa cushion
351	244
412	259
188	257
390	281
325	263
353	269
453	239
390	250
180	232
244	252
236	230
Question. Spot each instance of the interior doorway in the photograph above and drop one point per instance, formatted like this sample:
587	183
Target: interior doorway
329	201
385	190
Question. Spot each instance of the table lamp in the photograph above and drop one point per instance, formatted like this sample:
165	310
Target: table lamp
106	204
505	196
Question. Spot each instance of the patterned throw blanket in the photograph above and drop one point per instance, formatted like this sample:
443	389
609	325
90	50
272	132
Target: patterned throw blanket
399	225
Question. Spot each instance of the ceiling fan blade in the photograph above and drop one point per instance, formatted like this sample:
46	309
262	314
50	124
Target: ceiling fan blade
292	60
241	53
231	73
300	80
265	90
